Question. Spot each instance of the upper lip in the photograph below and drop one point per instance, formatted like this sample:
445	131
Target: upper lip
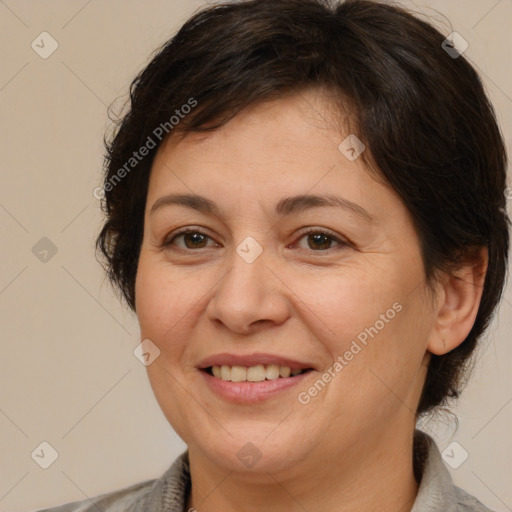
252	360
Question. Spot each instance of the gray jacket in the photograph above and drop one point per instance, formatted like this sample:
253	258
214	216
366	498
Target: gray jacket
436	493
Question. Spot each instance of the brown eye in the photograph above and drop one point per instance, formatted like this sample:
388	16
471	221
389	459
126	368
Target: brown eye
192	238
321	241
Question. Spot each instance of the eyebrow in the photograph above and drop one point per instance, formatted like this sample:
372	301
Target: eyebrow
286	206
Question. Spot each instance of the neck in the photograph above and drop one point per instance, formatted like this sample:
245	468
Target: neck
378	476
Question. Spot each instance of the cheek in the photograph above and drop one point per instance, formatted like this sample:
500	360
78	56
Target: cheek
386	372
161	298
375	329
163	308
346	304
170	302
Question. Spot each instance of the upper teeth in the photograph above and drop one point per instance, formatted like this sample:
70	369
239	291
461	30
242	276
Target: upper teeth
252	373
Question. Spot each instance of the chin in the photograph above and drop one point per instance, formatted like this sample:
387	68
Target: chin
253	449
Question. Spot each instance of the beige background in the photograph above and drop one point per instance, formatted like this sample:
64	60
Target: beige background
67	372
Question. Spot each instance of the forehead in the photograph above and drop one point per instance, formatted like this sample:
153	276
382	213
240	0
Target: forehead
283	147
274	135
310	116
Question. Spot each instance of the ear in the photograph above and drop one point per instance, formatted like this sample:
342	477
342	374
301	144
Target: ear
458	302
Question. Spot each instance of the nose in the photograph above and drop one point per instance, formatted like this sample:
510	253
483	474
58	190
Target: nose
249	295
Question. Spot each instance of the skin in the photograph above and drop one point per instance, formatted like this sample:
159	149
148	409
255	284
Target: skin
350	447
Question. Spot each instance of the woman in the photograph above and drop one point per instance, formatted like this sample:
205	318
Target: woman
305	208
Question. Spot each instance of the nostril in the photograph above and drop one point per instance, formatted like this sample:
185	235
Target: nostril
258	322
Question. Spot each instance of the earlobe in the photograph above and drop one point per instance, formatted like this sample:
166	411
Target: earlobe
461	299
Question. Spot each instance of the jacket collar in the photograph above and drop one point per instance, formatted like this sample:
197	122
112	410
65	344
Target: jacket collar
436	492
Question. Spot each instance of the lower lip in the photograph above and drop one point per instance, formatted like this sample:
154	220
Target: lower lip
251	392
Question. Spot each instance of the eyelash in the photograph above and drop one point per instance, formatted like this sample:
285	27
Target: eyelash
341	243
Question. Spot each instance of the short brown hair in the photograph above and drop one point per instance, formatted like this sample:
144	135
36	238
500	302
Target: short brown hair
422	113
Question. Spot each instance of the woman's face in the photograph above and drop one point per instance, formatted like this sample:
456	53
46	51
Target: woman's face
248	287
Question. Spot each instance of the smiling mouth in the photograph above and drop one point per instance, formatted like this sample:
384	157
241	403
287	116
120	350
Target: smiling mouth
256	373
